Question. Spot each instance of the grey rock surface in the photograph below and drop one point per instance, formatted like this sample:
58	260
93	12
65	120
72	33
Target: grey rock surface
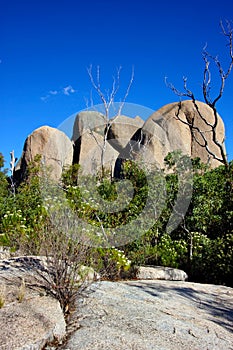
161	273
4	253
29	318
155	315
88	121
31	323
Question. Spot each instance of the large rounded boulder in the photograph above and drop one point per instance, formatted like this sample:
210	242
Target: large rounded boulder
55	148
181	126
91	148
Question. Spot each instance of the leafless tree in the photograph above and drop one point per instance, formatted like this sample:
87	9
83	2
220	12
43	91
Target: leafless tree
12	171
227	31
108	98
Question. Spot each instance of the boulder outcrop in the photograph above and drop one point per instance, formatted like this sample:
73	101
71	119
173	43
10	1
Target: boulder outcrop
121	131
163	132
87	121
161	273
92	152
98	142
202	117
53	145
91	148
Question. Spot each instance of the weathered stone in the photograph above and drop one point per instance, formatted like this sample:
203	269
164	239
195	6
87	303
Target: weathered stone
197	116
31	324
92	151
88	121
95	152
31	268
4	253
29	319
53	145
127	138
160	273
158	315
121	131
163	132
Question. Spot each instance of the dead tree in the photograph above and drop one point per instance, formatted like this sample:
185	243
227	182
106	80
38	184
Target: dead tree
12	170
107	98
206	91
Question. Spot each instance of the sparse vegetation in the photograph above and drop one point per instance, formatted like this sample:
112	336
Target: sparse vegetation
2	295
21	291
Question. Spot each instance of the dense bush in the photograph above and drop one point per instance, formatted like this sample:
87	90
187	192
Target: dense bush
201	244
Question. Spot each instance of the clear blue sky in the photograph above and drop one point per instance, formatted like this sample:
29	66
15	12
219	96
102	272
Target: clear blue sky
46	47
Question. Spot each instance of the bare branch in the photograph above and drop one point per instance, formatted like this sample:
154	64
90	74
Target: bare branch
229	35
207	57
97	87
127	91
201	133
102	227
115	87
207	77
206	90
107	99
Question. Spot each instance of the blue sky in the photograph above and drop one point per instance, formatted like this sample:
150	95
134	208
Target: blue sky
47	46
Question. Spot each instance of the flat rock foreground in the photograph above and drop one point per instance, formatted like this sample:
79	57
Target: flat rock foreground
136	314
151	315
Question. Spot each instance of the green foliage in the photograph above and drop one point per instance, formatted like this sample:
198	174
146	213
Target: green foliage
3	185
2	295
201	244
152	249
213	260
85	197
24	216
111	262
211	210
70	175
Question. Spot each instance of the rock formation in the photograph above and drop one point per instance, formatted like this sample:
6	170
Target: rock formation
161	273
141	314
92	152
121	131
29	317
99	143
53	145
163	132
146	315
196	117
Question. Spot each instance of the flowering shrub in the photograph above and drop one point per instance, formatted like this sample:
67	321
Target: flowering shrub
13	226
201	245
111	262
